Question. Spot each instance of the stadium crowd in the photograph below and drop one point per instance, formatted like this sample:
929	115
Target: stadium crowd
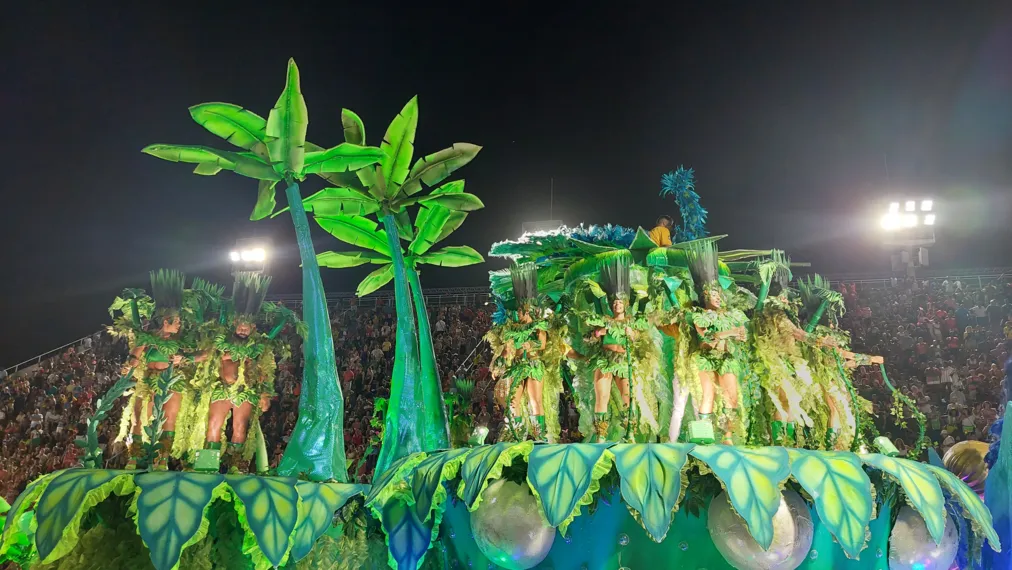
945	345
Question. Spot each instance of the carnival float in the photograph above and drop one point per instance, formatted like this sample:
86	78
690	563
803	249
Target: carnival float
718	424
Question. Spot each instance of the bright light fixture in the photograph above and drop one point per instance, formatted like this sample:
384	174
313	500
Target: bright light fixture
910	220
894	207
911	205
258	254
926	205
891	221
929	220
234	256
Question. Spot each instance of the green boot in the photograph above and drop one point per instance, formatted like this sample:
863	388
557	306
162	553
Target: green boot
164	451
136	451
233	458
777	432
208	459
701	430
792	429
542	430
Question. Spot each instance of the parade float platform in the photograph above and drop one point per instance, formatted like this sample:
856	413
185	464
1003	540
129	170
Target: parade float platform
594	506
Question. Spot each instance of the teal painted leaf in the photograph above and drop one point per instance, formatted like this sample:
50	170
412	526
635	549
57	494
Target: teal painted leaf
842	493
480	465
345	259
752	479
395	474
652	482
170	508
973	507
375	280
354	128
241	127
316	512
271	506
436	167
921	488
345	157
399	145
460	201
355	230
429	476
24	501
63	501
287	124
408	538
265	200
564	476
452	256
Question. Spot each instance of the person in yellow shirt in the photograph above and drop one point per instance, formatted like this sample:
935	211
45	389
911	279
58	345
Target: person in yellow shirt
661	234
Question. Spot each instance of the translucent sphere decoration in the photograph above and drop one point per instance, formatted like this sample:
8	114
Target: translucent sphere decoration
792	535
912	548
509	528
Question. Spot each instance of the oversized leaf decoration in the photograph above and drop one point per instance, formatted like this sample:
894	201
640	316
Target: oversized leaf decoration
265	200
241	127
452	256
356	230
354	128
375	280
403	222
436	167
170	509
210	160
316	511
564	478
973	507
484	463
429	229
460	201
340	202
398	471
652	482
752	479
921	488
344	157
345	259
426	481
24	501
408	538
399	146
286	126
841	491
453	221
59	510
270	506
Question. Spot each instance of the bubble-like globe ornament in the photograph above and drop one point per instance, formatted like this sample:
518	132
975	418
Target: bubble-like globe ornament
509	528
793	530
912	548
966	460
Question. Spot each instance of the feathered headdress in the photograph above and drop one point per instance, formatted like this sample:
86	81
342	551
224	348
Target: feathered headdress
615	274
820	301
206	298
703	265
525	282
167	290
681	185
248	294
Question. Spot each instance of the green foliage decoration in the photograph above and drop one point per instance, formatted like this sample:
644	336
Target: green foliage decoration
268	508
564	477
653	482
922	490
316	512
171	509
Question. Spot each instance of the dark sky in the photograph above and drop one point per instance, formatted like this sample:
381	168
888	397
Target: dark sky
789	112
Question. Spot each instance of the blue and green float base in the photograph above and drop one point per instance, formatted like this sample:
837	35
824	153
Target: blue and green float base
601	506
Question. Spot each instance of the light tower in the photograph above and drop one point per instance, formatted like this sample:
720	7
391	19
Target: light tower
909	226
251	254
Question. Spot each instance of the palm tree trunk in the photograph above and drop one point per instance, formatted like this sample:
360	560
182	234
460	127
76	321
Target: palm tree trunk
433	406
404	426
316	447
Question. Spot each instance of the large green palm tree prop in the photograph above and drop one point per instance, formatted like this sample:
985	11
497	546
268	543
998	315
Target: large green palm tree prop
416	418
275	151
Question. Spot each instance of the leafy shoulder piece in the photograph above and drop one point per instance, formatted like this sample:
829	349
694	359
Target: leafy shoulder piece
564	478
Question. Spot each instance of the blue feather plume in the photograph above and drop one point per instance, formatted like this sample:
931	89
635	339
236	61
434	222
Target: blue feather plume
618	236
681	184
501	314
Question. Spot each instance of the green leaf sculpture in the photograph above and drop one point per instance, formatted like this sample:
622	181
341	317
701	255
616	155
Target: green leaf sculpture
375	280
170	512
399	146
652	478
355	230
920	487
486	463
564	478
752	479
316	512
344	259
66	499
243	128
973	507
452	256
339	202
841	491
408	538
427	480
25	500
269	509
286	127
384	484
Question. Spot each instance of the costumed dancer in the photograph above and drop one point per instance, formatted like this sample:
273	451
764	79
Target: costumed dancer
719	352
246	370
525	339
153	349
609	343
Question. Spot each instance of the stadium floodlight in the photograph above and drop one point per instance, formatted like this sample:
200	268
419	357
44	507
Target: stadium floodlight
894	208
235	256
926	205
891	221
250	255
910	221
929	220
911	205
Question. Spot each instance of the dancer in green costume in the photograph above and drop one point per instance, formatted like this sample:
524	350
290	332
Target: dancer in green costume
719	350
523	342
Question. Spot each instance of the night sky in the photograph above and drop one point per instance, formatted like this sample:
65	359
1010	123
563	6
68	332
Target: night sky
798	118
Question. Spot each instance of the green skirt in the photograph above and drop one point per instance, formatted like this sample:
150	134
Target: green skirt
610	362
222	392
719	362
